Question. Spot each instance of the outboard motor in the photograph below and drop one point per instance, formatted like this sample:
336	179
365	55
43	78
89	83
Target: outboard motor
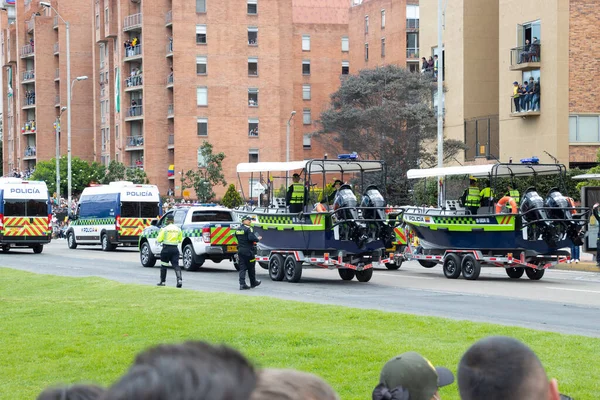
344	206
377	229
563	210
532	209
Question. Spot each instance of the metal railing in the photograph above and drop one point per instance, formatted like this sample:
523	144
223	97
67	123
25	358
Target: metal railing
27	50
170	109
170	79
169	17
28	75
57	99
29	127
525	54
133	81
29	100
102	63
412	23
135	111
412	53
57	73
30	151
132	21
135	141
525	104
103	119
171	140
133	51
103	91
170	47
137	165
30	24
56	47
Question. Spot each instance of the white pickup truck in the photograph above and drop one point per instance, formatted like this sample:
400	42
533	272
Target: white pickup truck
207	235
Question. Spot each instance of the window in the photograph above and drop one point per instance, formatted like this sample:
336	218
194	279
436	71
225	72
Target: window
382	47
345	43
306	120
200	158
97	21
106	14
252	36
253	155
211	216
382	19
412	66
253	127
584	128
252	7
412	45
253	66
200	34
305	42
306	142
306	67
200	6
201	65
253	97
366	24
345	67
202	124
305	92
412	16
366	51
202	95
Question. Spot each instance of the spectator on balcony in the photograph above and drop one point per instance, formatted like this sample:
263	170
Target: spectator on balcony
435	66
531	51
516	95
135	42
535	101
31	44
133	109
127	45
524	99
430	64
424	65
253	132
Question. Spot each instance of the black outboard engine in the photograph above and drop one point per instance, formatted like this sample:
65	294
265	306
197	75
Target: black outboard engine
344	206
377	228
532	209
562	212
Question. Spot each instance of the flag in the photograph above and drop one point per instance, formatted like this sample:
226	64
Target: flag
171	171
118	91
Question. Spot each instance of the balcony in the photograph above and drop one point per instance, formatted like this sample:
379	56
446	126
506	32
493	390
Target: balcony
27	76
29	153
103	119
102	64
27	51
170	79
134	143
412	54
30	24
28	128
29	101
55	22
135	112
170	48
169	18
133	52
412	24
103	91
171	142
520	109
56	48
57	100
526	58
139	164
133	83
170	111
132	22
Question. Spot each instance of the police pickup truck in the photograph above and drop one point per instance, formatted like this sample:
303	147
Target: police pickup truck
207	235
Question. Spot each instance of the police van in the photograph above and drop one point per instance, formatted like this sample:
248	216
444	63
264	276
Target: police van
113	214
25	214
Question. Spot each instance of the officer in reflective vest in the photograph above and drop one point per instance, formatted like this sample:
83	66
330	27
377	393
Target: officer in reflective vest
296	195
514	193
471	198
487	196
246	254
170	236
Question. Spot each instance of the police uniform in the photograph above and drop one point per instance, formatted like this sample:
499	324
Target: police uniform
296	196
246	255
472	199
516	196
597	216
486	196
170	236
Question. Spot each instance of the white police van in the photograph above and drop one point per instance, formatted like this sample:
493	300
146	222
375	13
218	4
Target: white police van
113	214
25	214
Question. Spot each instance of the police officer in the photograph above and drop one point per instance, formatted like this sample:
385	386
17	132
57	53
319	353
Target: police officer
487	196
170	236
471	198
514	193
596	212
296	195
246	254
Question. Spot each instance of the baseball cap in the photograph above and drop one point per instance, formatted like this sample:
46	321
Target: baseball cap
246	218
415	373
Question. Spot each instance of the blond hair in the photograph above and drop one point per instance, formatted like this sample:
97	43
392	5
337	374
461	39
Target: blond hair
289	384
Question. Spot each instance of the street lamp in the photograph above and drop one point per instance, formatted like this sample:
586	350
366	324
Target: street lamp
57	132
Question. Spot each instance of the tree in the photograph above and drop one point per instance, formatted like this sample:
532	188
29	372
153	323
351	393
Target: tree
82	174
119	172
386	114
232	197
208	175
1	154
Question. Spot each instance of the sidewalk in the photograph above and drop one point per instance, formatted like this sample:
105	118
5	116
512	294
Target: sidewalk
589	266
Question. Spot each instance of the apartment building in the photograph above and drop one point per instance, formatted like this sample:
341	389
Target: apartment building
384	32
549	45
35	84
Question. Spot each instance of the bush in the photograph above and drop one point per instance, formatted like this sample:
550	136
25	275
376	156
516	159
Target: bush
232	198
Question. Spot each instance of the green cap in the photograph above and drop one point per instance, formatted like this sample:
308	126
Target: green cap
415	373
246	218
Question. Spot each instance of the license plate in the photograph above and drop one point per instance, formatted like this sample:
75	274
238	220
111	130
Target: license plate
231	249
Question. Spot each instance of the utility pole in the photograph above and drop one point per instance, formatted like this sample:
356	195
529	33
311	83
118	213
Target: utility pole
440	99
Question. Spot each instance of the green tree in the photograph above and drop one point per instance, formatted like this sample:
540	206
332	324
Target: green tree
232	197
386	114
208	174
82	174
119	172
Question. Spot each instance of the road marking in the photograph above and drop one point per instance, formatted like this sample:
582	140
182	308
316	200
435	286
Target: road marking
573	290
402	276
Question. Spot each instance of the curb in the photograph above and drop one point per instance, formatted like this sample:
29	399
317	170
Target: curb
582	266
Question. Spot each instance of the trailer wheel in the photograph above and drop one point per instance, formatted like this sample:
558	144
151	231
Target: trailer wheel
515	272
427	264
395	265
365	275
346	274
293	269
471	268
276	267
534	274
452	266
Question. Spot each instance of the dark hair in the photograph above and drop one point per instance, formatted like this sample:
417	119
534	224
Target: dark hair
289	384
192	370
498	368
381	392
75	392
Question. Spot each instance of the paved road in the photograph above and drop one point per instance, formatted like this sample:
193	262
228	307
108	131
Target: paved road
563	301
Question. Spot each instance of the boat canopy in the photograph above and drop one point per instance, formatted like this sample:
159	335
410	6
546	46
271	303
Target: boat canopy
313	166
499	170
587	176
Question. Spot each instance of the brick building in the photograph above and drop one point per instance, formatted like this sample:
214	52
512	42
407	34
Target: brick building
33	54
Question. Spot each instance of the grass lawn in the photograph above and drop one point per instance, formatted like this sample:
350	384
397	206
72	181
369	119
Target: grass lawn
63	330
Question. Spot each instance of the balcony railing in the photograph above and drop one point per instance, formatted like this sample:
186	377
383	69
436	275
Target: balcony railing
170	47
170	110
169	17
136	165
55	22
27	50
102	63
103	91
103	119
526	58
29	100
170	79
525	106
135	141
29	127
57	74
133	81
171	139
135	111
28	76
57	99
133	51
30	24
412	53
56	47
30	152
412	23
132	21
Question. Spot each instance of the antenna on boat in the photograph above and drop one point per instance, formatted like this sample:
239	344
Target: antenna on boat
552	157
458	161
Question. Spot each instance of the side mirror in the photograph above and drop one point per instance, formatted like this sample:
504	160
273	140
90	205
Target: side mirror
154	222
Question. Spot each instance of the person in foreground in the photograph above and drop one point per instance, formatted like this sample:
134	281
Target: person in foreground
500	368
410	376
75	392
289	384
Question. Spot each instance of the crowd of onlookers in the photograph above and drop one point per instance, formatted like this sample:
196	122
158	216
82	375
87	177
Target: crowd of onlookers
26	174
531	51
29	97
131	48
30	151
526	97
135	77
494	368
430	66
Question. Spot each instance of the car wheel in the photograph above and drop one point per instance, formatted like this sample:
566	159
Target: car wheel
38	248
106	245
276	267
471	268
5	249
293	269
515	272
346	274
71	241
452	266
147	258
189	264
